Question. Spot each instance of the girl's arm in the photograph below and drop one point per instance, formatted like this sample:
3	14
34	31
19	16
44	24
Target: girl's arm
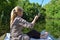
24	23
36	17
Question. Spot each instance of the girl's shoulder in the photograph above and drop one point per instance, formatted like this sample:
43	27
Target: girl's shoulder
20	19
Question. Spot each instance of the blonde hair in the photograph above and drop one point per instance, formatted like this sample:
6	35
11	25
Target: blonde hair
14	13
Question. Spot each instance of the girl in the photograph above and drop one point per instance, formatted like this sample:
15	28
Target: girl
17	23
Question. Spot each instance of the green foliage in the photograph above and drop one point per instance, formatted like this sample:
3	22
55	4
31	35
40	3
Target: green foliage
49	20
53	17
5	9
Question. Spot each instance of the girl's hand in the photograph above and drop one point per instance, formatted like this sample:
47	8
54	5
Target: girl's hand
37	16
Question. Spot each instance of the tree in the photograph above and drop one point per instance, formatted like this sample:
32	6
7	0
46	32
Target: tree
5	9
30	10
53	17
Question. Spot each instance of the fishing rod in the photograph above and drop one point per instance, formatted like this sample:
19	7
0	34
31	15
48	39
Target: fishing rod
41	7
